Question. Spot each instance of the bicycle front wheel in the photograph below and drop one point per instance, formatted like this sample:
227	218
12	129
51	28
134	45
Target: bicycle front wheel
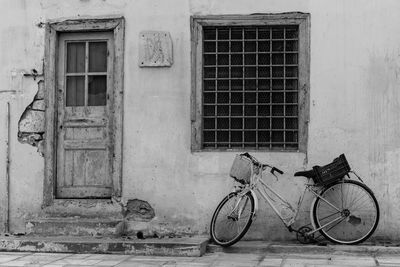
347	212
232	218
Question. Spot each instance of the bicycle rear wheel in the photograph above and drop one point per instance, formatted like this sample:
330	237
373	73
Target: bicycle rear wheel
232	218
350	213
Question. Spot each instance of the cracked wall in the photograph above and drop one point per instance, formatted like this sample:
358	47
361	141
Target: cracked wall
137	209
31	125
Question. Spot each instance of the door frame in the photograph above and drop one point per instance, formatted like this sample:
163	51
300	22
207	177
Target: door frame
52	31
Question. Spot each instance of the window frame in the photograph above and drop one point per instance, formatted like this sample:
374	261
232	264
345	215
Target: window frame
293	18
53	29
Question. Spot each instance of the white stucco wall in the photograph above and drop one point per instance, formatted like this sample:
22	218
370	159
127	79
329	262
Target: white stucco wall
355	102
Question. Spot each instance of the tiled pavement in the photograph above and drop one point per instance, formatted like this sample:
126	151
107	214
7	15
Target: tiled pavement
218	259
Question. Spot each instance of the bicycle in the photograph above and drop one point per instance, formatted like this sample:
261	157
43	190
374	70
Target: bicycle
344	211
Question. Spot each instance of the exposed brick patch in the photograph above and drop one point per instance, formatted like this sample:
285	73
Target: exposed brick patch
31	125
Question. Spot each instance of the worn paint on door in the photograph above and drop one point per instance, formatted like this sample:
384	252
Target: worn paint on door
84	100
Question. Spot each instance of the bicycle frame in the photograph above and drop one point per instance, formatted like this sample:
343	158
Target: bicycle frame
259	186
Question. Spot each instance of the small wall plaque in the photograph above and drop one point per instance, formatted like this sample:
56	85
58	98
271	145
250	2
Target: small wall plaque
155	49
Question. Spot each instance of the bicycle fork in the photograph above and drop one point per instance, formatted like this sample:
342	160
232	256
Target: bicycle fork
244	192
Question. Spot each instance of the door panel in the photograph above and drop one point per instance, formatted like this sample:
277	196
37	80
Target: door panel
84	144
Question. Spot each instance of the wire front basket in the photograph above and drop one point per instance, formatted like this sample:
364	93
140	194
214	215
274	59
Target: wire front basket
241	169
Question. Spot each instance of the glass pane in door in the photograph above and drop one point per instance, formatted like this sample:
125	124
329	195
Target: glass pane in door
97	56
75	95
75	57
97	90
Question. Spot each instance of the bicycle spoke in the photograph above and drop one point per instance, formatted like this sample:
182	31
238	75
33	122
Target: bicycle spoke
329	216
354	198
328	203
360	205
358	200
335	224
231	219
351	194
341	191
359	215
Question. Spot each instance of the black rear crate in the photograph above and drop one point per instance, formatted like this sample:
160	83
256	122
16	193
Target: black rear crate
331	172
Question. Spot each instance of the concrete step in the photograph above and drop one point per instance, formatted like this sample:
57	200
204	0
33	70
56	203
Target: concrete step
189	247
74	226
264	247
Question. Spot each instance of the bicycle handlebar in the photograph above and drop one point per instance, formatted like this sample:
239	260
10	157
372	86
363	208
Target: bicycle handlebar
273	169
256	162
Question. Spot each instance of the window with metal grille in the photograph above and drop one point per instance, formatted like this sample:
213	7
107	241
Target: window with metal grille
251	92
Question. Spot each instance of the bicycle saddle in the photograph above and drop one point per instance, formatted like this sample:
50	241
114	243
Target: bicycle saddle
308	174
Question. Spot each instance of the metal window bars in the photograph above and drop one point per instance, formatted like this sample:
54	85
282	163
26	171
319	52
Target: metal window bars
250	87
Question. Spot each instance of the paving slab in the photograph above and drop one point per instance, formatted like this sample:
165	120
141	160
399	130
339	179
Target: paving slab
7	258
214	259
353	261
294	256
331	265
33	259
297	248
269	261
301	262
388	261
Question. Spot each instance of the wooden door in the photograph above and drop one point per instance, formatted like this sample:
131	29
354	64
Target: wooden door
84	109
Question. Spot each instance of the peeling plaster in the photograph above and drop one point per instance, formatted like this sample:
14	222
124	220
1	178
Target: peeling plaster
135	211
40	24
31	125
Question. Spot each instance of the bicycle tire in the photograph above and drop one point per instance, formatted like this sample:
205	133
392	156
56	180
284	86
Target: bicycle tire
349	229
221	221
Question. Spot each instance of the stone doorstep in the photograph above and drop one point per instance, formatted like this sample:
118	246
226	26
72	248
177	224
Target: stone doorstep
270	247
188	247
71	227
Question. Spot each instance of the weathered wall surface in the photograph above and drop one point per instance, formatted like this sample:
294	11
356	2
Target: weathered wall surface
355	106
